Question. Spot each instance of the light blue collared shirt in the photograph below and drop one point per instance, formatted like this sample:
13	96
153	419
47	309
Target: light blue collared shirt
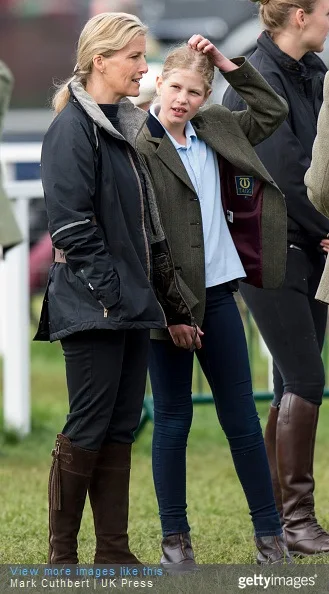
222	262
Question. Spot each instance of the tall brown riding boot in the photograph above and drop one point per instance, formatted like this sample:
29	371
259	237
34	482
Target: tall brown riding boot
296	431
109	498
270	445
68	483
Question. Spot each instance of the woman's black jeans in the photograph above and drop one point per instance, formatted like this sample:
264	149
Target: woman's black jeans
106	375
224	360
293	325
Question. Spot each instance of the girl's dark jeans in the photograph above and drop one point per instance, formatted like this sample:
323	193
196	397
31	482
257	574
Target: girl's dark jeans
224	361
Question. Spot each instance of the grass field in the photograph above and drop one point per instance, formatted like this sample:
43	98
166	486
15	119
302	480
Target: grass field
221	527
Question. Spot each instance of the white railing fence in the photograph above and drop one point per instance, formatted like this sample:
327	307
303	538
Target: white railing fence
14	292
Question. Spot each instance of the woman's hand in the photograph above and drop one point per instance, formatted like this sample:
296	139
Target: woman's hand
325	245
184	336
201	44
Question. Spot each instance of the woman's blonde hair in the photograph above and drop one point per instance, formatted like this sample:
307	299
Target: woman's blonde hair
275	13
104	34
187	58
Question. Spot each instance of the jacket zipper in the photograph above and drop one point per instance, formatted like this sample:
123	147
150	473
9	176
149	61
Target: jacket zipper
146	242
163	313
147	251
106	311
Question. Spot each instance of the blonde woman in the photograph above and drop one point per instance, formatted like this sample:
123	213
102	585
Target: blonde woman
317	180
99	302
290	320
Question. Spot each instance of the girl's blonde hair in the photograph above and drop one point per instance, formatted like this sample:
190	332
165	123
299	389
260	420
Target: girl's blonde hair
104	34
187	58
275	13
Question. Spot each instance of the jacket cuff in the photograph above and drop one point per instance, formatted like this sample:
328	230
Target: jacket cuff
239	76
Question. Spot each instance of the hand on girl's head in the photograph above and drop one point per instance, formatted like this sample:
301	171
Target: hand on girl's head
200	44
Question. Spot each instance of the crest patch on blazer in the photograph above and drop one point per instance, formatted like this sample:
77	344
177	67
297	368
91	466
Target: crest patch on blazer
244	185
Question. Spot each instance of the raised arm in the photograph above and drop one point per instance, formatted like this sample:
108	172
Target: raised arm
265	109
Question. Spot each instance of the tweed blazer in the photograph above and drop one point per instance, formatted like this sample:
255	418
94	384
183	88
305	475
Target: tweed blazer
317	179
9	232
259	214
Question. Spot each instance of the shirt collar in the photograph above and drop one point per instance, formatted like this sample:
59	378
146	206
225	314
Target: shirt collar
189	130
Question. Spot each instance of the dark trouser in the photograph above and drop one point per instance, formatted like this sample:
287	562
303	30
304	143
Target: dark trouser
106	374
224	360
293	326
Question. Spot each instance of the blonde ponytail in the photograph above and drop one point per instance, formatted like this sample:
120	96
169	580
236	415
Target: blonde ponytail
61	96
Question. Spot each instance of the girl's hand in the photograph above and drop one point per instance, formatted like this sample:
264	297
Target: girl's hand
201	44
184	336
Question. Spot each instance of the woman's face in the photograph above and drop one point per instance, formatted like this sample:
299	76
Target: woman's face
316	27
124	70
182	93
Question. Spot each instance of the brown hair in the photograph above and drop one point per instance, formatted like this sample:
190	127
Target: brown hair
275	13
185	57
104	34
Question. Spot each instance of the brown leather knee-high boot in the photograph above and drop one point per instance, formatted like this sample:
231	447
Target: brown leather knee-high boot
270	445
68	483
296	432
109	498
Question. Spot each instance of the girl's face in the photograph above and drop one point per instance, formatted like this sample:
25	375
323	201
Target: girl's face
181	94
316	27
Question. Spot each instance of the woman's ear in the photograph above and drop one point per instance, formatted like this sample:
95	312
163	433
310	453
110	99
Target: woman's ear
300	18
158	84
98	62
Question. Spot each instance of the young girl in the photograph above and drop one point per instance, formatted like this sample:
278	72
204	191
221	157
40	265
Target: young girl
292	323
224	219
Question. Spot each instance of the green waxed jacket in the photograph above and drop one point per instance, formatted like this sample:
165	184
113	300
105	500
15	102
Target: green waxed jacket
10	234
258	222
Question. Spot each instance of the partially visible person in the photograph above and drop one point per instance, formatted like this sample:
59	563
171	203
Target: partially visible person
289	318
40	260
99	301
317	180
223	219
98	6
10	234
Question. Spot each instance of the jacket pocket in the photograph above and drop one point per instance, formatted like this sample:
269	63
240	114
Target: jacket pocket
186	292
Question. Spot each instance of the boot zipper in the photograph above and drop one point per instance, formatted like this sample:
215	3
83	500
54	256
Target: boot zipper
55	480
182	544
147	251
